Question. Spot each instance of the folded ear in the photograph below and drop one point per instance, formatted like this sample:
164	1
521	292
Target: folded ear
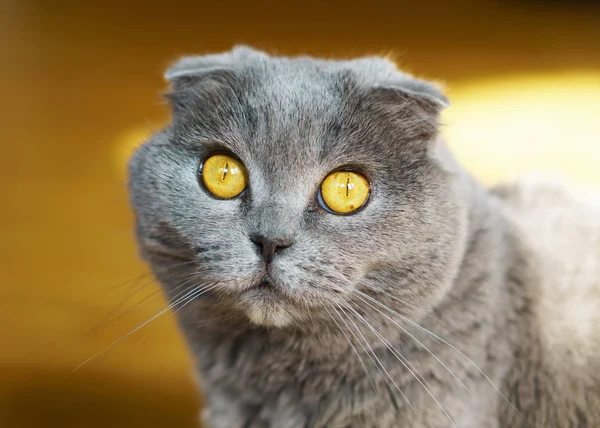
200	81
382	72
193	65
414	105
420	89
189	69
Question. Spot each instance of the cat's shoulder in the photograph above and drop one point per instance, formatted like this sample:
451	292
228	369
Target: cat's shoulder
538	191
558	227
558	219
561	225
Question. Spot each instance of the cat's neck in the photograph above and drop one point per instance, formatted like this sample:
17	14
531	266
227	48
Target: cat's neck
480	302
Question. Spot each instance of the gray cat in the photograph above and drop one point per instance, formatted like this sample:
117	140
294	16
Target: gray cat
332	266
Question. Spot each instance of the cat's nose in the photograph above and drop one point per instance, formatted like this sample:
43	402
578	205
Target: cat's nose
268	247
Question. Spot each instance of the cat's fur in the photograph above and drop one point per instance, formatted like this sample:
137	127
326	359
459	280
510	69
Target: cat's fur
507	280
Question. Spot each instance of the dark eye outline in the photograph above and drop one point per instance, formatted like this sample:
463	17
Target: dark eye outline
324	206
201	181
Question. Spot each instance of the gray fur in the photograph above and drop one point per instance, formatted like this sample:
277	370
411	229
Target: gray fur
445	254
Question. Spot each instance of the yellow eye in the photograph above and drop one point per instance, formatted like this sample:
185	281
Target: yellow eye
344	191
224	176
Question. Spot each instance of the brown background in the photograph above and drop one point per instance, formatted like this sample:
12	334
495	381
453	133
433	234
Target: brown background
81	84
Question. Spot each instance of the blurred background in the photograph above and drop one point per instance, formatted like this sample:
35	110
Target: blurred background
82	84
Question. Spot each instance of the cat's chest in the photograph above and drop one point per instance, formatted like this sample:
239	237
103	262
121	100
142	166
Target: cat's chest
342	407
281	387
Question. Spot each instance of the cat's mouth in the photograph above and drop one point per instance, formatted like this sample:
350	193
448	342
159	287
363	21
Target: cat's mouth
267	284
264	290
266	304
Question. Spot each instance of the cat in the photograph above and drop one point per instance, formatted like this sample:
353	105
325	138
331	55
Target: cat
429	301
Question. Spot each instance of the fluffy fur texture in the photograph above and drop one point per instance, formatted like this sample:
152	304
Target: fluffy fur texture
439	304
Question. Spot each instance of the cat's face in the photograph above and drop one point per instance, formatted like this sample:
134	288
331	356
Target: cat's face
291	124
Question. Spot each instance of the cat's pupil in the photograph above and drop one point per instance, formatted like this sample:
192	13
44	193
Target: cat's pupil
225	170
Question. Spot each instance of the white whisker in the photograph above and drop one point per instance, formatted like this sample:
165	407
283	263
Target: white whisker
469	360
378	362
404	302
360	343
197	291
112	317
408	366
409	334
350	343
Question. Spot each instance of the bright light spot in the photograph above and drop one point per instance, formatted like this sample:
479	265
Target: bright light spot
502	128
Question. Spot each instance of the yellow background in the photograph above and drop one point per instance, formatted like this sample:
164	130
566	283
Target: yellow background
81	85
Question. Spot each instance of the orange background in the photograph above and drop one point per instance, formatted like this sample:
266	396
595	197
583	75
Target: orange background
81	85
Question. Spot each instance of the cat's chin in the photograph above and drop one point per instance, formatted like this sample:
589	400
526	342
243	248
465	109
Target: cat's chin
266	306
269	316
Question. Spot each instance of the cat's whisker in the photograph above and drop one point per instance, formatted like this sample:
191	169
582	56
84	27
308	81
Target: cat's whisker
312	320
361	345
404	302
145	275
294	320
121	284
377	362
394	351
197	291
422	381
110	318
207	322
350	343
314	325
188	262
459	352
409	334
190	299
188	279
155	293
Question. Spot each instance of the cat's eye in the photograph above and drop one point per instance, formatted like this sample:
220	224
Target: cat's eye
343	192
224	176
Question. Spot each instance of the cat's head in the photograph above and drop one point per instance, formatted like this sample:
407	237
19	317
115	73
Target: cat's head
266	239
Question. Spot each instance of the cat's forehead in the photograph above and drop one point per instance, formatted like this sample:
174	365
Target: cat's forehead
291	126
303	124
303	106
285	113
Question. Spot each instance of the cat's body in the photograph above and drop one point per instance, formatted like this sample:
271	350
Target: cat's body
555	379
439	304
